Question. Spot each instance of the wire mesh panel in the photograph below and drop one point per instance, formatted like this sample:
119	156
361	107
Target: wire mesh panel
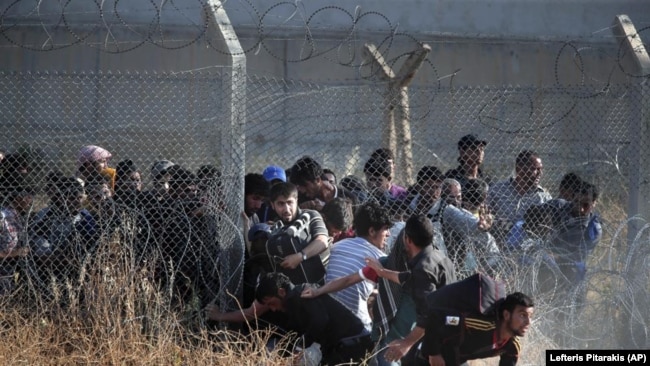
145	152
547	212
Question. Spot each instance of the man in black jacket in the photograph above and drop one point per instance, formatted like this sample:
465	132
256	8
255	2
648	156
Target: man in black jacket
340	333
453	337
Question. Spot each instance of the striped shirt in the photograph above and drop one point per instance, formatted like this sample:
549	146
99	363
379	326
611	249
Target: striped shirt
348	256
10	229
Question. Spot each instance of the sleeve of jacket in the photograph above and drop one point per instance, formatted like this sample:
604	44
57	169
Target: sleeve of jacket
510	356
438	272
442	331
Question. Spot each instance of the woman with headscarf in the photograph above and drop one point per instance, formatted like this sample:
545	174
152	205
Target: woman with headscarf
91	159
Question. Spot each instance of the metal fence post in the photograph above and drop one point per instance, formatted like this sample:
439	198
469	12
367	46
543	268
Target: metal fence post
233	146
634	51
398	130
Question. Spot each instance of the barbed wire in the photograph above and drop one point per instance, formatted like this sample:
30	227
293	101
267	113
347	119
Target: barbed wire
115	27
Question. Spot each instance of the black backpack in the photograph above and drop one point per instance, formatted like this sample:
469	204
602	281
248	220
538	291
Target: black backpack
477	294
291	239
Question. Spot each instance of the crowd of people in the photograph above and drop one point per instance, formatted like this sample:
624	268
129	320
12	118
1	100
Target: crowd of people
348	265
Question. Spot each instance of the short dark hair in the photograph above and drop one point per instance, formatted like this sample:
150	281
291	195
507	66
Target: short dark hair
511	301
338	213
383	153
524	157
208	171
305	170
329	171
283	189
179	176
353	183
65	186
377	168
588	189
209	176
571	181
429	172
269	285
447	183
124	168
254	183
475	191
420	229
370	215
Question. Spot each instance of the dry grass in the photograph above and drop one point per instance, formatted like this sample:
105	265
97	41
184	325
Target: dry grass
118	317
124	319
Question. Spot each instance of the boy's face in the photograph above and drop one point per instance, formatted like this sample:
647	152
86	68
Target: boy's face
378	237
431	188
132	182
379	183
583	204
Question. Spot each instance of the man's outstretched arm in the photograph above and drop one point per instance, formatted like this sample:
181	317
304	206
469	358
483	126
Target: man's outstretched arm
332	286
256	309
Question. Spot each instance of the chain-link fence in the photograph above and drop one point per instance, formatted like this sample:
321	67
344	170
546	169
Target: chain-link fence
160	132
157	220
151	118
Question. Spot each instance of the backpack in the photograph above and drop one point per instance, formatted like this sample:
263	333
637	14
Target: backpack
477	294
291	239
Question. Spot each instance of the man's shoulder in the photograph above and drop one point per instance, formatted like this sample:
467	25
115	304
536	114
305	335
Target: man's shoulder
432	269
306	212
516	344
350	242
502	184
346	193
480	323
433	257
356	245
541	192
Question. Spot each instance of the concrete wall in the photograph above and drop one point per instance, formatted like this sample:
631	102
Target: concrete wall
496	42
479	42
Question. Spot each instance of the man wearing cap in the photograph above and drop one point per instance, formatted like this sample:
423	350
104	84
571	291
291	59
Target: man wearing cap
274	174
160	178
471	152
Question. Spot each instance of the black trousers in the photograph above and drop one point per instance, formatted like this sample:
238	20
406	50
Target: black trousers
350	351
